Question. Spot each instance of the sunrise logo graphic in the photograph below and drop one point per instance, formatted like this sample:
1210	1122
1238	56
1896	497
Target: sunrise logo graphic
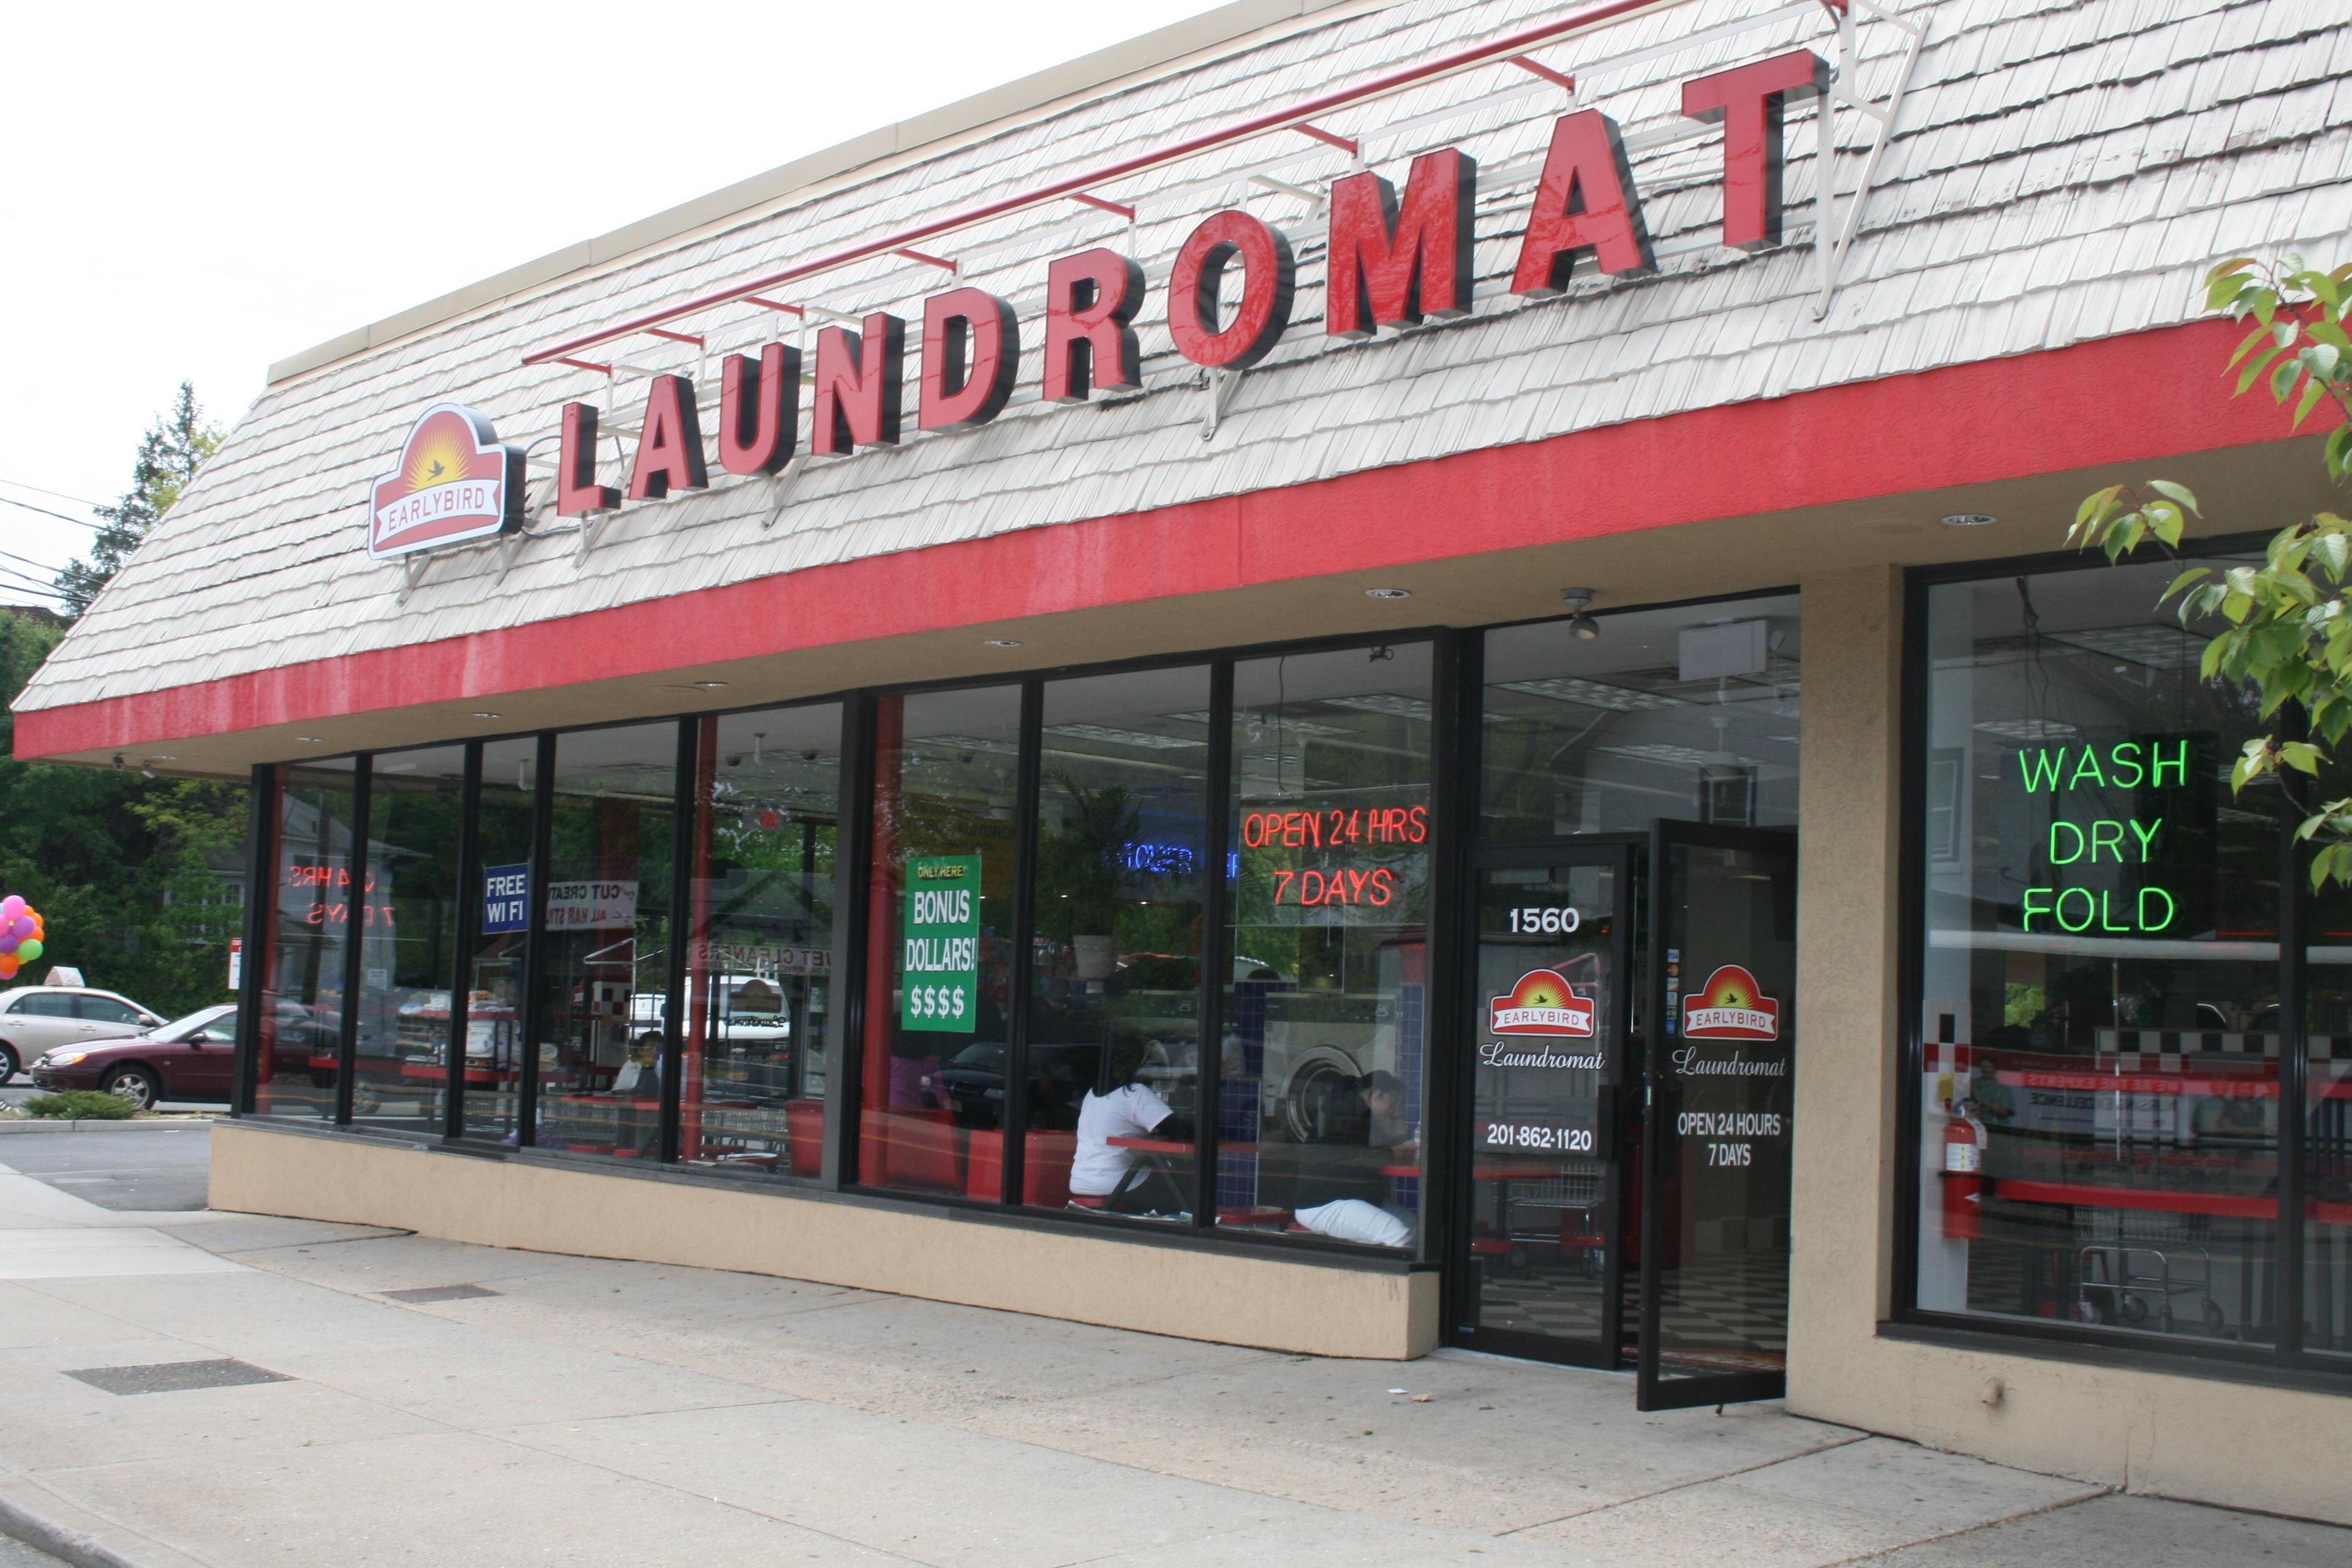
1730	1007
454	483
1542	1003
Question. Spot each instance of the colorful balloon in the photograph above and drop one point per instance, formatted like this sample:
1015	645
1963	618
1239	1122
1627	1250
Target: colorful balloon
11	907
23	935
8	945
28	951
8	967
21	927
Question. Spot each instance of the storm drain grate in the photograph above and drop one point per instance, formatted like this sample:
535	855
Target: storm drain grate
174	1376
439	1293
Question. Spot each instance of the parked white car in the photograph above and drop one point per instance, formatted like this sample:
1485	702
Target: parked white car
35	1019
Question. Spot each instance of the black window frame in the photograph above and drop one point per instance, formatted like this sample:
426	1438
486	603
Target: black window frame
2285	1355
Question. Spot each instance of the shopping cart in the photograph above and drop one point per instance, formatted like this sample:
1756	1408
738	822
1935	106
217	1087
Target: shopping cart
2138	1265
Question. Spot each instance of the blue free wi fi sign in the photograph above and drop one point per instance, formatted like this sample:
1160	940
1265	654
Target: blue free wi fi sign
506	898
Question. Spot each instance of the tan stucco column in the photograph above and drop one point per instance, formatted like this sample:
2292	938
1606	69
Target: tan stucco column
1841	1225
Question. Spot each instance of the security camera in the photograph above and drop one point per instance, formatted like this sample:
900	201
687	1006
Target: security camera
119	764
736	760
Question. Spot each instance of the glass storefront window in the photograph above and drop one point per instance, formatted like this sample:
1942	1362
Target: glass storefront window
759	979
603	972
495	976
1114	1024
313	900
2100	976
940	920
1325	1014
408	955
1689	713
2328	1113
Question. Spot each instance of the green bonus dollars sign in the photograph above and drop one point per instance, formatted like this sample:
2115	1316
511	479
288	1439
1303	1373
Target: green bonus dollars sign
940	989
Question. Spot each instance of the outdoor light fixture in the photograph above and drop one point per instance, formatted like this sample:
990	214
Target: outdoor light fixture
709	685
1969	520
146	770
1580	626
1388	592
1000	642
312	740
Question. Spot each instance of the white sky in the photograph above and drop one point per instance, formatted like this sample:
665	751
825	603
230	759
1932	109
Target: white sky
200	190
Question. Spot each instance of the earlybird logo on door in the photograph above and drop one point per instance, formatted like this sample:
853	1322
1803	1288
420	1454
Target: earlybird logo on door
1542	1004
454	481
1730	1007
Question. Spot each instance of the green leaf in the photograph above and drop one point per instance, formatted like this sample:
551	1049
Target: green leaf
2234	265
2283	378
2264	303
2312	393
2320	359
2246	343
2095	504
2179	493
2254	367
2299	755
2339	451
2332	334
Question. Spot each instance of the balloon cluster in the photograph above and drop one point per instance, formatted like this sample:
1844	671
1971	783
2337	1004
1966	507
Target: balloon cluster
21	932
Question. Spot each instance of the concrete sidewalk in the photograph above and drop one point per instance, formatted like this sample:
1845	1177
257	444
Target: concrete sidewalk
566	1410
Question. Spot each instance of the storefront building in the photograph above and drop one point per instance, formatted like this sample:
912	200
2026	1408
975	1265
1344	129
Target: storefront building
1356	678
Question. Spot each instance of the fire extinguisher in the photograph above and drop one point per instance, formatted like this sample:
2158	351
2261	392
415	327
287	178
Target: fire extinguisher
1963	1174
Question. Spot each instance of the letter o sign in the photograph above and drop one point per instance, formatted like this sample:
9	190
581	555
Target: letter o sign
1196	287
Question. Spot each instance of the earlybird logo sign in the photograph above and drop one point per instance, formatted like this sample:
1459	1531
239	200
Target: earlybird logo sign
1542	1003
1730	1007
454	483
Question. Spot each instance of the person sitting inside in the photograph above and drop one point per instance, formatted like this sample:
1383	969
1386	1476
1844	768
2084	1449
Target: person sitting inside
1387	1127
1104	1176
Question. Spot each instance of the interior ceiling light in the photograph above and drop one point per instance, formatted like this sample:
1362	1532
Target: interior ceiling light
1969	519
1000	642
1388	592
1580	626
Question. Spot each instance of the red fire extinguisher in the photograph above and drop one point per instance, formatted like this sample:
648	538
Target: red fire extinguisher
1963	1174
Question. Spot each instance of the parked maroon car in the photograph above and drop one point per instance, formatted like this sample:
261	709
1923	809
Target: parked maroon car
188	1058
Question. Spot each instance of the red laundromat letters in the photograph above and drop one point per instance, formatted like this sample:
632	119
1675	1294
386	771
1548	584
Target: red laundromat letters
1391	263
577	493
1091	299
1749	100
669	446
1585	201
759	410
860	380
971	353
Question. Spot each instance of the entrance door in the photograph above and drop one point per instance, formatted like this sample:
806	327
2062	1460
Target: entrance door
1716	1130
1535	1265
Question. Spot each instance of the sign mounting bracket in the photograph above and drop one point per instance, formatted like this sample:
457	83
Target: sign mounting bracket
1836	221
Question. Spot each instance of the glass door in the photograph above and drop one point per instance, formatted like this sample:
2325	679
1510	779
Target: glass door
1716	1129
1536	1263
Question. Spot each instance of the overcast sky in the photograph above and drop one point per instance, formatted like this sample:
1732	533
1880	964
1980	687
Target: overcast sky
199	190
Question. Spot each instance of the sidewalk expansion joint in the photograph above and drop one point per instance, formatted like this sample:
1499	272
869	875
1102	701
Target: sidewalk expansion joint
2063	1503
1685	1486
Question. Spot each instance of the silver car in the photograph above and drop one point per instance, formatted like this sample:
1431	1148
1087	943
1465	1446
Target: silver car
39	1018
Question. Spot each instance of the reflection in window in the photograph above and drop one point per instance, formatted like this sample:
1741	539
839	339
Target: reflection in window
2327	1116
1325	1028
495	978
605	976
759	986
408	947
1688	713
312	908
1114	1016
940	913
2101	973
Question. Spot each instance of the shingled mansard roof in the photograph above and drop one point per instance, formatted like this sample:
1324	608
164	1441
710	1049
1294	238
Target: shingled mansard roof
2063	170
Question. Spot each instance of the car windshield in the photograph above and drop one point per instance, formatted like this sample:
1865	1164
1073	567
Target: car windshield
181	1028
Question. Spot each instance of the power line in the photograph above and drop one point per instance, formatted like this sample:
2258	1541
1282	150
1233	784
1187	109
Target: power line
59	495
25	584
23	561
45	512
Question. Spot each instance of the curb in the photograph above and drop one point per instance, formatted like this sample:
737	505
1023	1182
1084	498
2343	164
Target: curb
67	1546
54	1124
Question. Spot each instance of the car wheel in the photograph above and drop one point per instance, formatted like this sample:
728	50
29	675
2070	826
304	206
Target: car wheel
137	1085
8	1063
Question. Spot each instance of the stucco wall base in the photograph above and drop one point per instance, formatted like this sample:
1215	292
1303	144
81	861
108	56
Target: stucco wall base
2203	1439
1232	1298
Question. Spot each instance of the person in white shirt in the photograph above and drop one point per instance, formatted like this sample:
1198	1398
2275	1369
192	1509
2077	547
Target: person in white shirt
1104	1176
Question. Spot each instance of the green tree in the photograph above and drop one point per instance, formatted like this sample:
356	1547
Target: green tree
2287	632
175	447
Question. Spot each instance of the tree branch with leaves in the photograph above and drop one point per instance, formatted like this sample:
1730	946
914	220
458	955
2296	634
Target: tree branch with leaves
175	447
2288	632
